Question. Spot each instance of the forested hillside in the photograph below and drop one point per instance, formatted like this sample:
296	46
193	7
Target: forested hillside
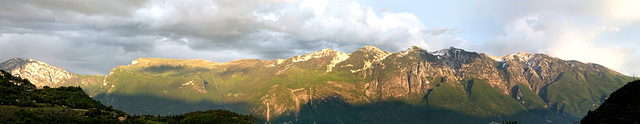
21	102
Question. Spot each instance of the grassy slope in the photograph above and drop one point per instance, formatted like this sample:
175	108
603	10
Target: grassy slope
572	95
245	82
481	101
20	102
89	83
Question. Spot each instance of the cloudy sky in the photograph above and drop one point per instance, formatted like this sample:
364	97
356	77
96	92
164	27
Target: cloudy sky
92	37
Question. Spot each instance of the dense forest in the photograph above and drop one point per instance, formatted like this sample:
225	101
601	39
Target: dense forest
22	102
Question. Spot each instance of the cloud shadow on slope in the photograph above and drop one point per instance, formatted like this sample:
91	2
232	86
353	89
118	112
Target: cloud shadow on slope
337	110
154	105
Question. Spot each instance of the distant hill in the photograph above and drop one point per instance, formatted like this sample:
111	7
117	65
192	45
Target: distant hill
369	85
621	107
42	74
21	102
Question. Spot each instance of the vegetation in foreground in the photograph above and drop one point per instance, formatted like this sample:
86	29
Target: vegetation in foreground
620	108
21	102
198	117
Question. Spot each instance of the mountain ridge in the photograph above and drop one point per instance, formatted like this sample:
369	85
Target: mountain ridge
43	74
7	66
283	87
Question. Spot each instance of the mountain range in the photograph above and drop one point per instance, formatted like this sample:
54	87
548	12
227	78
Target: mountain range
367	86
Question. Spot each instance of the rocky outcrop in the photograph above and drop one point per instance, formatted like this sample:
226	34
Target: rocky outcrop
39	73
42	74
275	88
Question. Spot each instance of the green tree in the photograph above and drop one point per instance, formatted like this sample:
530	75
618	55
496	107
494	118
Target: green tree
510	122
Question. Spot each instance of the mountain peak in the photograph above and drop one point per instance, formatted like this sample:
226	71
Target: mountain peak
145	61
369	48
447	51
336	57
18	59
15	62
283	88
372	50
327	50
34	71
454	48
319	54
415	48
520	56
522	53
162	61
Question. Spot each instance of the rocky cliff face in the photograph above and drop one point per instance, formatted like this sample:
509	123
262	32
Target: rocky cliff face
42	74
39	73
530	86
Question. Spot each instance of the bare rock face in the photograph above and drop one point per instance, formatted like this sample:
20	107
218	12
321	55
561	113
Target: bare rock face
282	87
39	73
42	74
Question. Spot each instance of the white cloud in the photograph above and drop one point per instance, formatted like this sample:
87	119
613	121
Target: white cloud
89	33
623	12
611	29
570	31
116	33
318	6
